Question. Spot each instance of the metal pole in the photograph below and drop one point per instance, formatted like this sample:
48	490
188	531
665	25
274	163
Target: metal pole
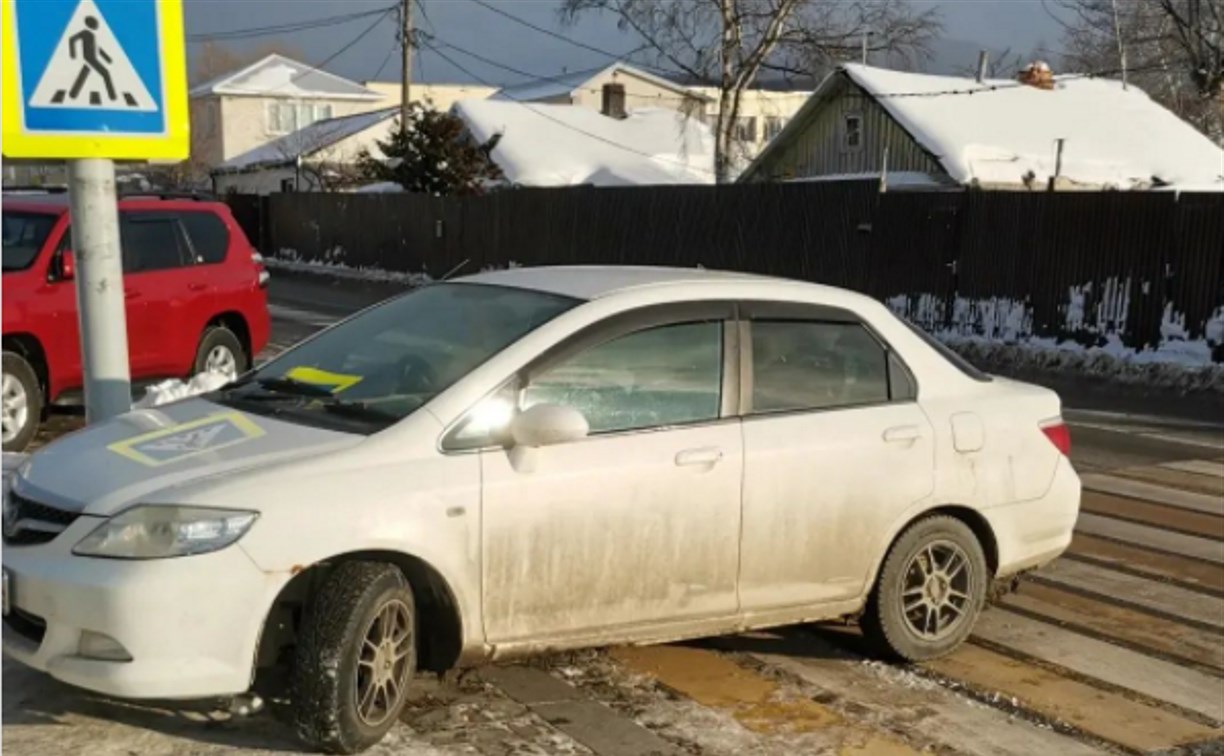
866	34
1057	162
983	64
99	288
406	83
1121	46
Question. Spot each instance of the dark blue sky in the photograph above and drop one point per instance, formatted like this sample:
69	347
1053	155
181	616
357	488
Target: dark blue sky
1021	25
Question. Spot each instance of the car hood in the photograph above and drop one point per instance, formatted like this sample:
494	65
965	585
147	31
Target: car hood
148	453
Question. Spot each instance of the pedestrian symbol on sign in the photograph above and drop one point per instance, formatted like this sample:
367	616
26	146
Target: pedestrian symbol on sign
89	69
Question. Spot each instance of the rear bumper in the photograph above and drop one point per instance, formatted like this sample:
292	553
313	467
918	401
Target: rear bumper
1031	533
190	625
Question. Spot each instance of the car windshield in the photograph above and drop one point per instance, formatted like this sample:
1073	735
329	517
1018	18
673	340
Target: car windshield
374	369
24	234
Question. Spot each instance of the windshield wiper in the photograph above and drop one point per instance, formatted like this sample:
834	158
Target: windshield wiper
359	411
286	386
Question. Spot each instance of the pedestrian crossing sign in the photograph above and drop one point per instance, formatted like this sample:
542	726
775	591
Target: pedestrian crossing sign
94	78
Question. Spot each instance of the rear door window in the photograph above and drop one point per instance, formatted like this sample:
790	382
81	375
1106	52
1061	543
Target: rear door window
812	365
152	241
208	234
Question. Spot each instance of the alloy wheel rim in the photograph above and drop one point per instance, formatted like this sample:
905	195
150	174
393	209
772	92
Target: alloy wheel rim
221	360
16	407
383	664
935	590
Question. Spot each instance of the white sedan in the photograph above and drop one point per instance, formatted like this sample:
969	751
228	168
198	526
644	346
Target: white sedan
531	460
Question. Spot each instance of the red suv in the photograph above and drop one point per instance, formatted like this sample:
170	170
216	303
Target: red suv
195	293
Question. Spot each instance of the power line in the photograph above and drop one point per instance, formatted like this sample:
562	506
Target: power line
263	31
574	42
427	43
319	66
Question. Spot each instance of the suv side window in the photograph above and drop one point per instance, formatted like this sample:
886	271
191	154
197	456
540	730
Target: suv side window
152	241
658	377
208	235
812	365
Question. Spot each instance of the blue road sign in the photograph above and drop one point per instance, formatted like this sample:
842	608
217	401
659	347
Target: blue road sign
94	78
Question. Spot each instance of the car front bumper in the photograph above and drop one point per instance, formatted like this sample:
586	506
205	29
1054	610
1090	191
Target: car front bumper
190	625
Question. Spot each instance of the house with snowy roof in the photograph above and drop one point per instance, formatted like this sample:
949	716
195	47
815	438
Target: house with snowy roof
1038	131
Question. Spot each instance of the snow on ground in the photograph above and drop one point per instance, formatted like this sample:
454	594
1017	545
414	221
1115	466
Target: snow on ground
173	390
563	145
1113	136
334	265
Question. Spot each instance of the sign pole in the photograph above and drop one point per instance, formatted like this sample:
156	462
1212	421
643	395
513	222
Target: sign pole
99	288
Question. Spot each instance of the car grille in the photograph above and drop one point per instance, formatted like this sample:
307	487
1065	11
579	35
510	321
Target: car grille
27	522
28	626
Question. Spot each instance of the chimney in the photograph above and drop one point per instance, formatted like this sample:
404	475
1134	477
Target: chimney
1037	74
983	64
613	104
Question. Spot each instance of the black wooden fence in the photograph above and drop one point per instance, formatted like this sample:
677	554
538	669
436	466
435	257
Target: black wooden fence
1001	264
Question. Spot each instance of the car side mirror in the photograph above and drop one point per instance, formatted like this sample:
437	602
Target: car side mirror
66	269
548	424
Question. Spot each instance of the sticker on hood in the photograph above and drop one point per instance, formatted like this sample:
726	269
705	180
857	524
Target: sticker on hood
207	434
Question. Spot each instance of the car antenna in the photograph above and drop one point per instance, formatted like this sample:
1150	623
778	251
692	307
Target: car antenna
455	269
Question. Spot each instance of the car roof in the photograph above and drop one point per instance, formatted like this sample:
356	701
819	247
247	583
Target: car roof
57	202
596	281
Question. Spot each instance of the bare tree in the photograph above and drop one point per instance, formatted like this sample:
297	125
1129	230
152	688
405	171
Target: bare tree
1173	50
728	43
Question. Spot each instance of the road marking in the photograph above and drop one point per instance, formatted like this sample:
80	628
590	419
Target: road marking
1151	492
1198	467
756	702
1139	592
905	701
1153	538
1118	623
1107	715
1148	563
1157	515
1157	679
1208	485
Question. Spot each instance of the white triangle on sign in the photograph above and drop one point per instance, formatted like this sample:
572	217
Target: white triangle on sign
90	70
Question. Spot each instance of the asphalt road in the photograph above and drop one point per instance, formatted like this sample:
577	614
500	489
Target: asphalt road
1116	648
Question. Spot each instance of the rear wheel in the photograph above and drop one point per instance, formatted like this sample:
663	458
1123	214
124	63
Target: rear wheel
929	591
22	402
355	657
221	352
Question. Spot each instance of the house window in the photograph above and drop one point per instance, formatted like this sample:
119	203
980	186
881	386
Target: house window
287	117
852	131
745	129
773	127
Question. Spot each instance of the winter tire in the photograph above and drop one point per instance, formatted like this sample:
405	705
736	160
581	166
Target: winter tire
220	351
929	592
355	658
22	402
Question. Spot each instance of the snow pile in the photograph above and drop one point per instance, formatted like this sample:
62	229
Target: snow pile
565	145
174	390
333	265
382	187
1113	137
997	334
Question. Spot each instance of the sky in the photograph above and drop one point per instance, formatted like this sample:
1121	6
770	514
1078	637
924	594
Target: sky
1021	25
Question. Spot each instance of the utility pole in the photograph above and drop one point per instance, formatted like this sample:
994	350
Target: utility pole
99	288
406	83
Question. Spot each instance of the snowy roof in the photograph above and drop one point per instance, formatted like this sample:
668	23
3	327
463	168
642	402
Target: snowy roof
1113	137
566	145
278	76
566	84
306	141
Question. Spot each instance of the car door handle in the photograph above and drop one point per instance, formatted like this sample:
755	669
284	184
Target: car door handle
707	456
902	434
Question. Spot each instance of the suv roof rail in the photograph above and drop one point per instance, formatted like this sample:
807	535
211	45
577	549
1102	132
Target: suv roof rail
168	195
36	189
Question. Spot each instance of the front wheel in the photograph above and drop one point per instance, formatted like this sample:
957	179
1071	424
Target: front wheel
355	657
929	591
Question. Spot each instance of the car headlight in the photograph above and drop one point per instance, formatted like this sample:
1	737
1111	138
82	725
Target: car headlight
157	532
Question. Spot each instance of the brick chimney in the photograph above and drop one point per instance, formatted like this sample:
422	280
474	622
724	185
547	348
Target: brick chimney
613	104
1037	74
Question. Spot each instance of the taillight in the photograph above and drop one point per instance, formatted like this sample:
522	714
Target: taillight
1059	435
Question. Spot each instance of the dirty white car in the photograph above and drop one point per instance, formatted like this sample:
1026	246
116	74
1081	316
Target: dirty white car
531	460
